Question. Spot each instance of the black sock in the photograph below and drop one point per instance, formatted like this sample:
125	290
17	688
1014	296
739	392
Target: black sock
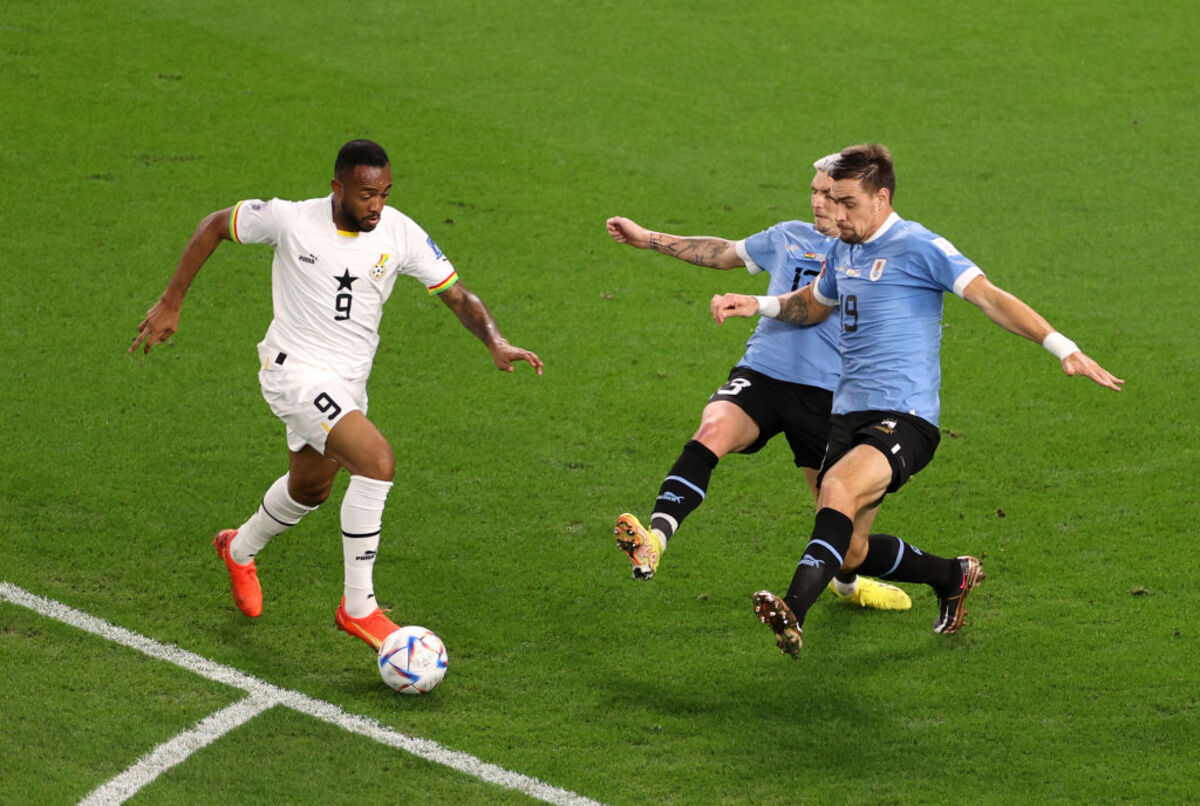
889	557
684	487
822	559
849	576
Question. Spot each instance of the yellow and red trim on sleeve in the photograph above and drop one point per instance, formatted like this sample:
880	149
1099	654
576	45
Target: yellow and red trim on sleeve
444	284
233	222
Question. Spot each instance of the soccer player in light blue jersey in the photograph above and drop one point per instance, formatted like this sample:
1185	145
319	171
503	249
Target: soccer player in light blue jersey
783	384
886	278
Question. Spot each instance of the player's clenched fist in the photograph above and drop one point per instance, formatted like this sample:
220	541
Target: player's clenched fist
623	230
725	305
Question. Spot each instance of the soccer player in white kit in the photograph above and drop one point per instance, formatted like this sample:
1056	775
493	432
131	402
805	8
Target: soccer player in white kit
336	260
887	277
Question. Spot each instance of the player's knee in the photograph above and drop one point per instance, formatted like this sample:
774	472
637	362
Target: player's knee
379	464
838	492
310	494
715	434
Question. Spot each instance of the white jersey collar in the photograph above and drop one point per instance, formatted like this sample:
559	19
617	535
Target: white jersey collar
884	227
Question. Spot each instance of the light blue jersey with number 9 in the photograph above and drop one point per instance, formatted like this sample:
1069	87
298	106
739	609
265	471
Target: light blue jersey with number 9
889	293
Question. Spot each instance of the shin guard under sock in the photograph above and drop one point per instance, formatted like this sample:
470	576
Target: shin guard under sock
362	516
277	513
822	559
683	489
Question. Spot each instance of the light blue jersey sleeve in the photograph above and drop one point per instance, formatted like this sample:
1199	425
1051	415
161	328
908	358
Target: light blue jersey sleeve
948	267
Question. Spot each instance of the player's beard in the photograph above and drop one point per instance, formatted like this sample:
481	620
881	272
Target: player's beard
363	224
851	237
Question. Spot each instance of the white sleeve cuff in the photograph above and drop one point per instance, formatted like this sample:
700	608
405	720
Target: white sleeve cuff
751	266
769	307
821	298
964	279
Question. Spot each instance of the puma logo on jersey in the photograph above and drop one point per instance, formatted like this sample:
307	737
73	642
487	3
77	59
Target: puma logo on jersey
310	258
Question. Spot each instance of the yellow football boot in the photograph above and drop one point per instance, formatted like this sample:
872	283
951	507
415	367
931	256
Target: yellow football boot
644	548
875	594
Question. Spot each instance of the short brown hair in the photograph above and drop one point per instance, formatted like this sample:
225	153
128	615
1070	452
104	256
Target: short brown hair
356	153
869	163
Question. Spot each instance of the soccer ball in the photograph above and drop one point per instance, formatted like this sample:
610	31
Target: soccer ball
412	660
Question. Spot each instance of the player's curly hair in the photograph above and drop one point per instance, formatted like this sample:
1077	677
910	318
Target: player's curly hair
359	152
869	163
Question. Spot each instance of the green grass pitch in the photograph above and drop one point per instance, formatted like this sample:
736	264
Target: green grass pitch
1053	143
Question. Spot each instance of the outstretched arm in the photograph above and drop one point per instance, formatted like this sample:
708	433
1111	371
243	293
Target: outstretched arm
476	318
716	253
1016	316
162	320
796	307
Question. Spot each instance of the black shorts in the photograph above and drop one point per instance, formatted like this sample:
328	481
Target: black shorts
801	412
907	441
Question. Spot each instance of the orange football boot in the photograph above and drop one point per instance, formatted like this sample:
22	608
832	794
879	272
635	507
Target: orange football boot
243	579
372	628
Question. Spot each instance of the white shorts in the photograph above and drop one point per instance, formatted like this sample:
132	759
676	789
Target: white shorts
310	401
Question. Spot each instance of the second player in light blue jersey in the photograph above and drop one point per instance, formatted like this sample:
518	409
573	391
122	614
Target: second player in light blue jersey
783	383
884	283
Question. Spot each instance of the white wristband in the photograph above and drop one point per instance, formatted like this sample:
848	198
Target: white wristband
768	306
1059	344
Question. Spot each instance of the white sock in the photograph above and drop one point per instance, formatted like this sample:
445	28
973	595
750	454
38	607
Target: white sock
845	588
275	515
362	517
671	523
662	537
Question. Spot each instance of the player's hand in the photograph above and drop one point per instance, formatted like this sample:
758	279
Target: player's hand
160	324
1077	363
727	305
623	230
504	354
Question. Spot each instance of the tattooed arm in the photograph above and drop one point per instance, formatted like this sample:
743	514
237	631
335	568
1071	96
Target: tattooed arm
716	253
796	308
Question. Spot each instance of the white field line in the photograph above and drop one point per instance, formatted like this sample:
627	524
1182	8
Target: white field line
176	751
263	695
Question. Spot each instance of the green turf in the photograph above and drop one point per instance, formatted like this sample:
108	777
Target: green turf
1052	143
